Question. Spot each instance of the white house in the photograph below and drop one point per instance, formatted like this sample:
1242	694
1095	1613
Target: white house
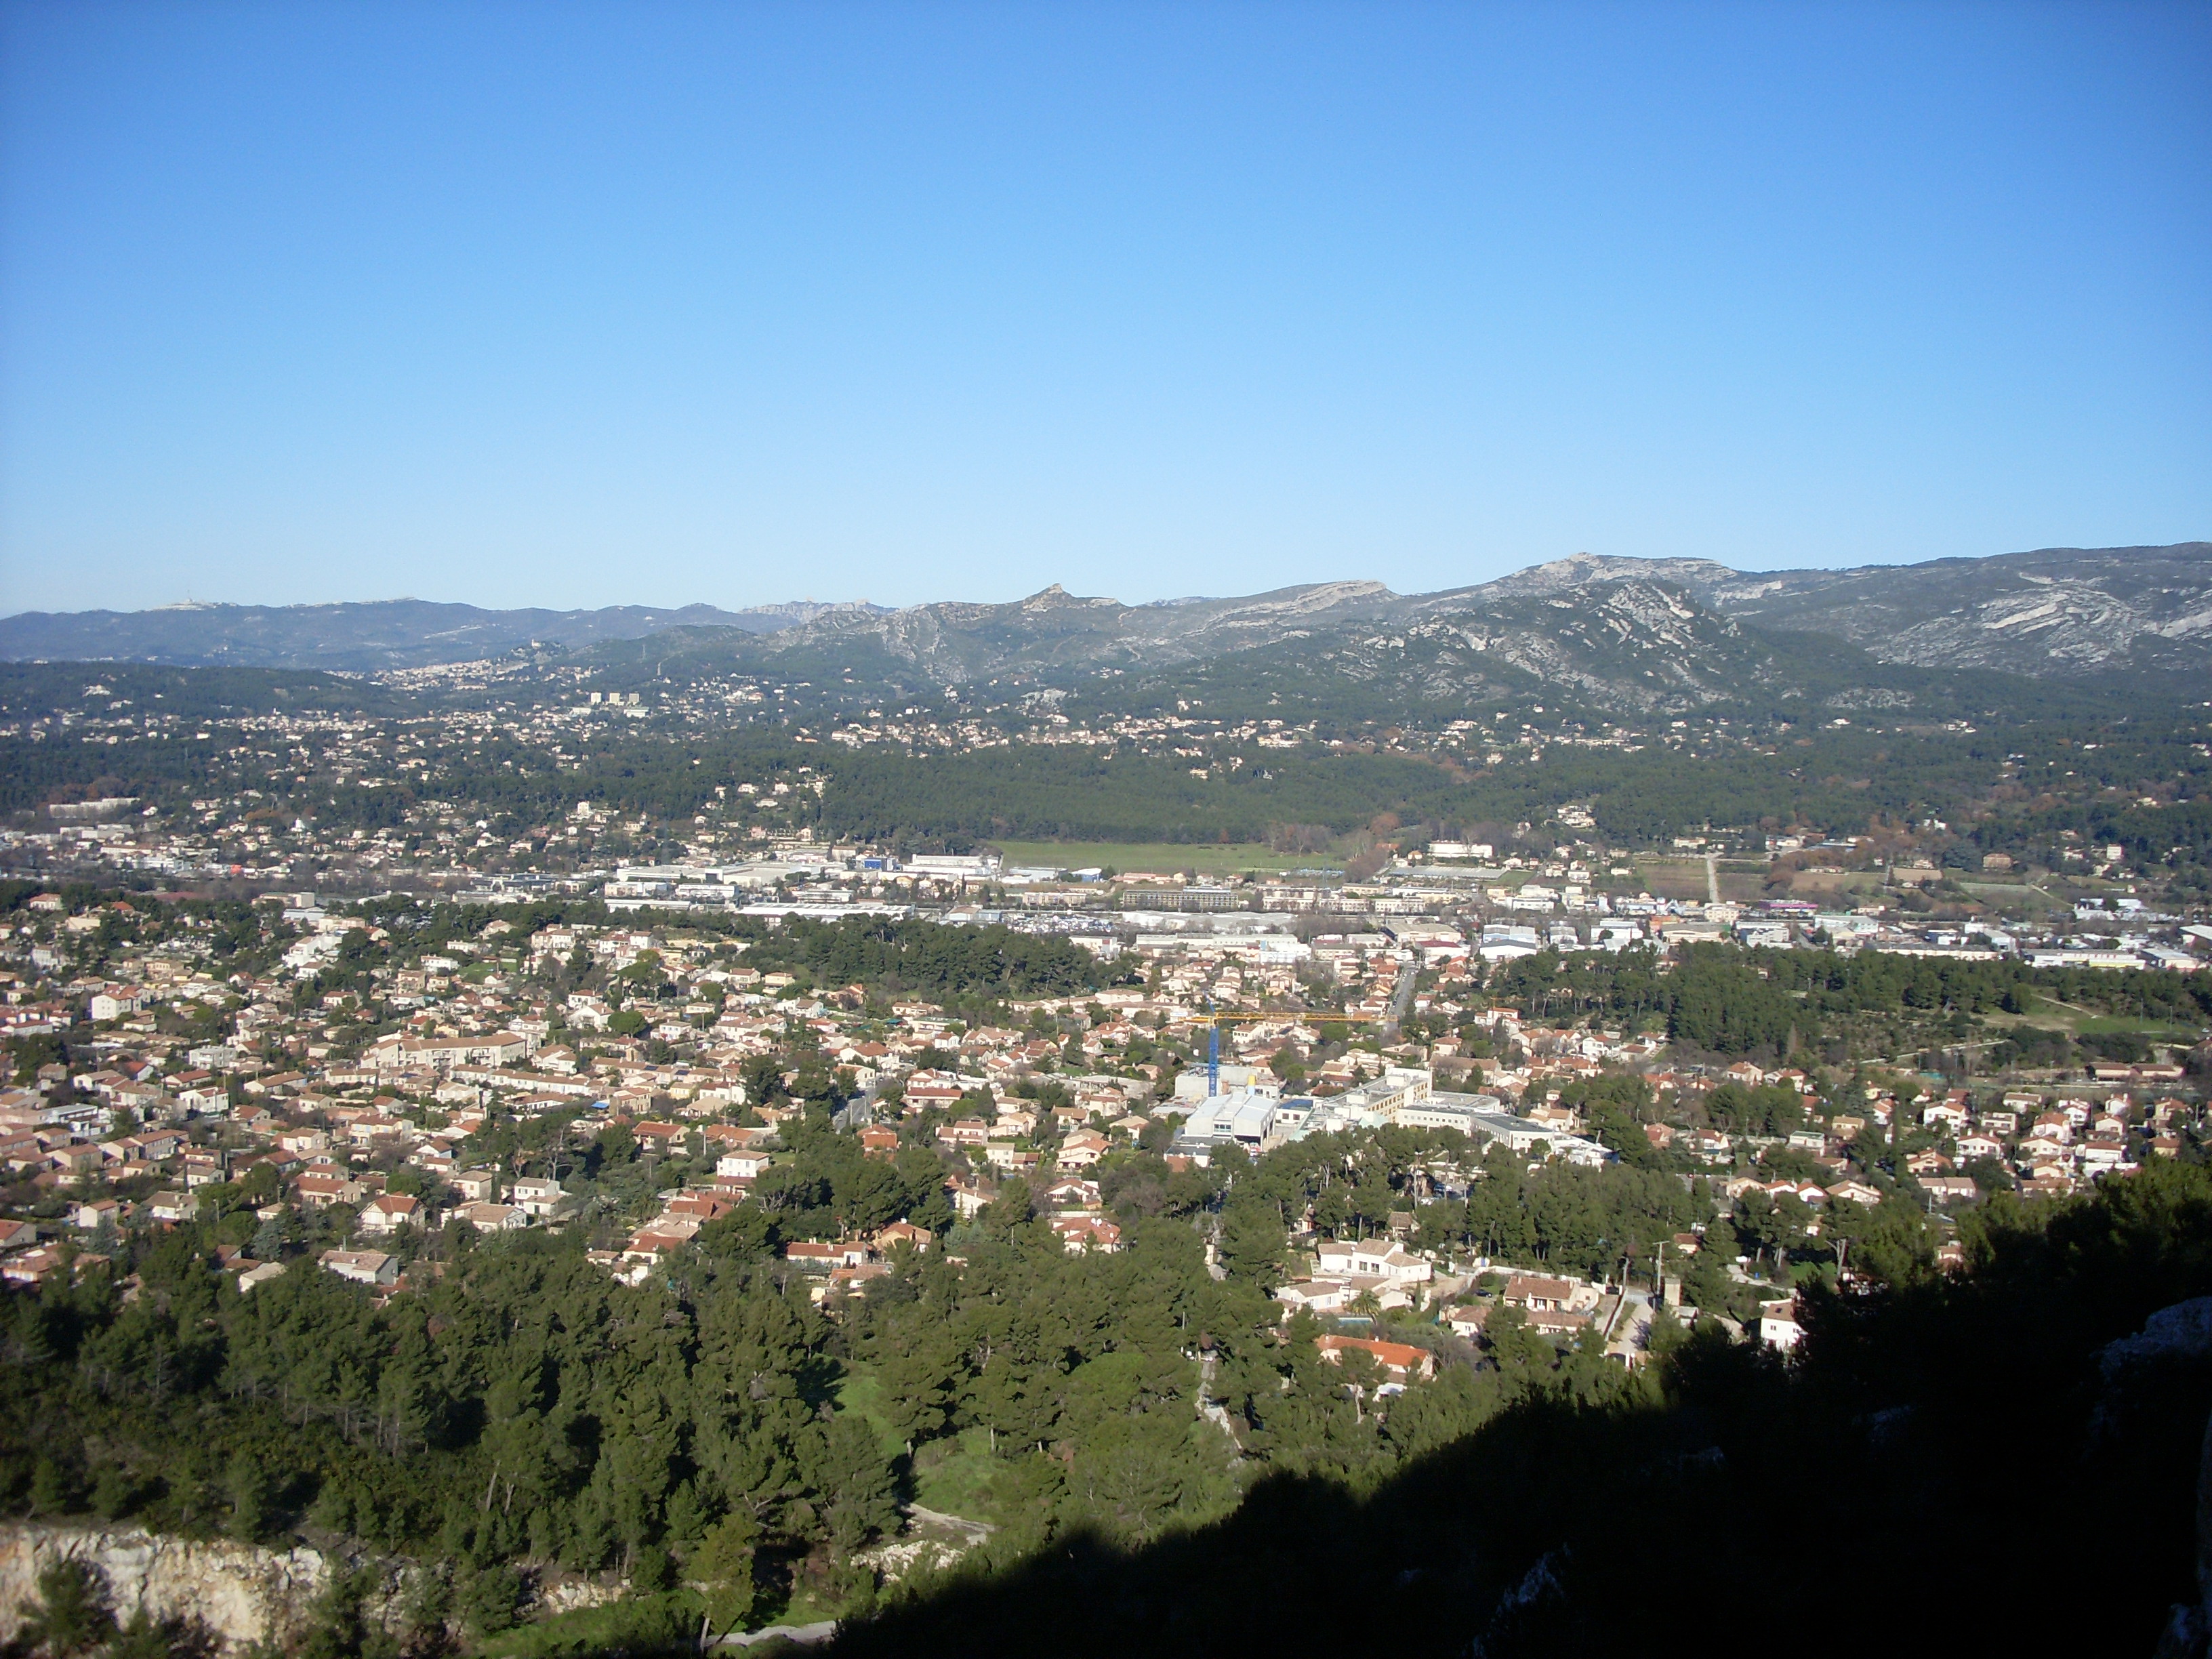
493	1218
362	1266
174	1206
113	1004
545	1200
1373	1259
389	1211
1317	1296
1777	1324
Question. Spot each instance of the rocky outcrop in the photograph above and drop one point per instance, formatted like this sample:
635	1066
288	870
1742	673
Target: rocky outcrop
244	1594
2060	612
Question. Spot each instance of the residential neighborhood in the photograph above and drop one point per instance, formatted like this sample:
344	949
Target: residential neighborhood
507	1057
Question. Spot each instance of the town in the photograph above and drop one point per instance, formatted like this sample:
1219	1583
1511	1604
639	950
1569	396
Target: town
375	1072
894	831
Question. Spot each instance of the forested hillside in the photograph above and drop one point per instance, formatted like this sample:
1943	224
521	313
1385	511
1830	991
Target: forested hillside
728	1449
1931	1472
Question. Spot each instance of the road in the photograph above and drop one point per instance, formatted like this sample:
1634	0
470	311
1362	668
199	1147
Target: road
1400	1001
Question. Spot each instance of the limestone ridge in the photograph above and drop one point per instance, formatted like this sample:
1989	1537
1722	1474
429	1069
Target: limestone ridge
2061	613
2056	613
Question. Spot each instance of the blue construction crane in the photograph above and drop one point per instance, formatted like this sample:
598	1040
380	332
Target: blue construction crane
1215	1020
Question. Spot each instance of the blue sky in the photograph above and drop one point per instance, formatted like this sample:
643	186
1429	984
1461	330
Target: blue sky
590	304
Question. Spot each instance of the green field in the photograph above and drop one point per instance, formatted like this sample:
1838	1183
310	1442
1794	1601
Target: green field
862	1391
2159	1031
953	1477
2013	897
1160	857
2049	1014
950	1476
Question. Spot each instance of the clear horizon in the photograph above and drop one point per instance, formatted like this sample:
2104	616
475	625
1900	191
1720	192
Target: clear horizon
578	305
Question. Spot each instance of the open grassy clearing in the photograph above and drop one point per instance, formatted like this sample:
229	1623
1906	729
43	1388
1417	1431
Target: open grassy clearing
953	1477
1675	878
2050	1014
950	1476
2012	897
860	1392
2158	1031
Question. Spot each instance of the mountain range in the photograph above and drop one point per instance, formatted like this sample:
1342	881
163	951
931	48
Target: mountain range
2063	613
355	638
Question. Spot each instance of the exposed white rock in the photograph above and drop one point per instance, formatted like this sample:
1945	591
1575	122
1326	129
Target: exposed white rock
244	1594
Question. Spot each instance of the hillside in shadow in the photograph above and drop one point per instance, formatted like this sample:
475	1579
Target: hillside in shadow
2008	1461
